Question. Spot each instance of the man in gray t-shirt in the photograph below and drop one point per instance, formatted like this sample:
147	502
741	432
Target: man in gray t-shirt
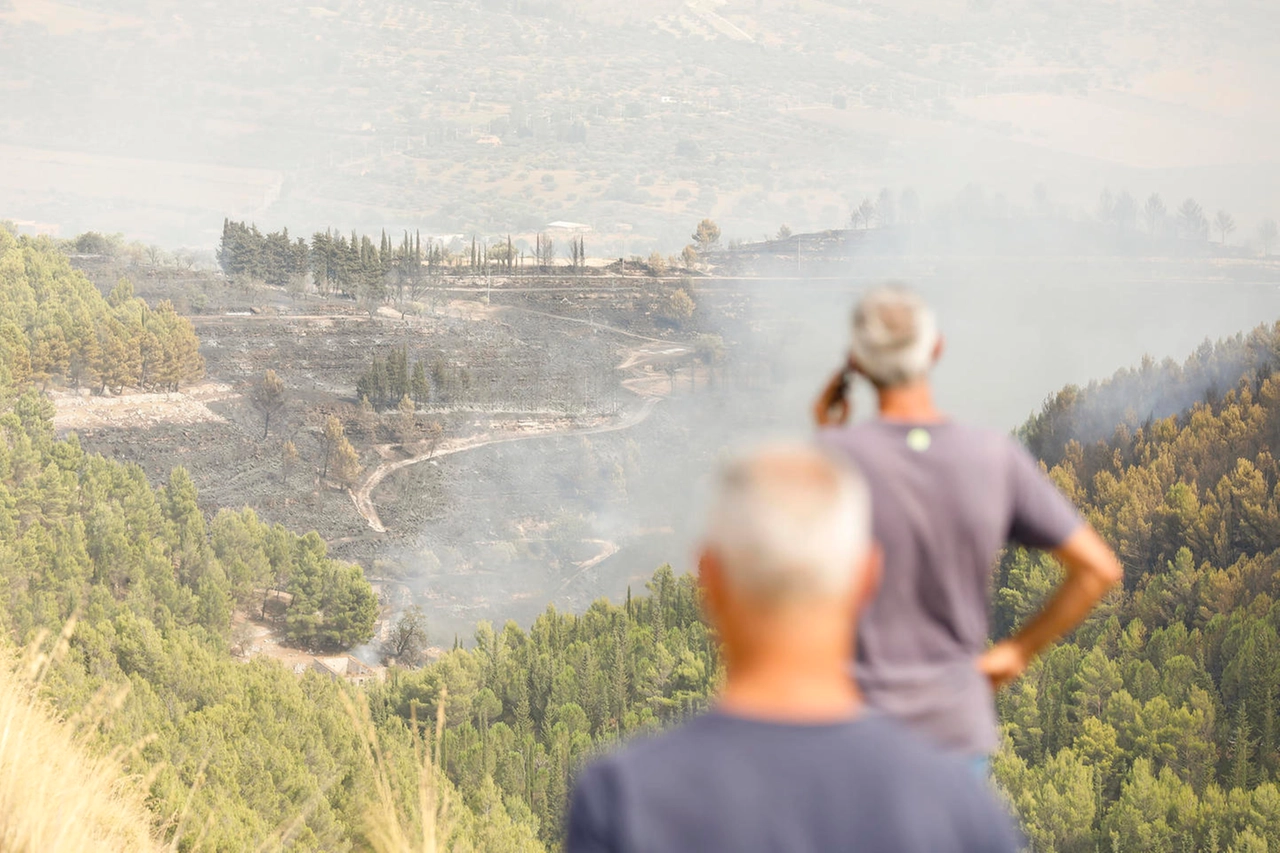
789	761
946	498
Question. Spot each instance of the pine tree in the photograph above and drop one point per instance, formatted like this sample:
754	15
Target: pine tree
419	387
346	463
268	398
333	434
288	461
406	419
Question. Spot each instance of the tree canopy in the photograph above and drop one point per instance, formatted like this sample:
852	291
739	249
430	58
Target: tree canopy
1154	727
55	327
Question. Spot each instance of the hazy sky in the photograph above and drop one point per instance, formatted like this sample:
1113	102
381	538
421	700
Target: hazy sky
159	118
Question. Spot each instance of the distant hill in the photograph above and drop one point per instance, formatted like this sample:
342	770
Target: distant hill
1154	726
636	118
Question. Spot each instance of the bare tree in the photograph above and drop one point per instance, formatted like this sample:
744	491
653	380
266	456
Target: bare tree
1268	231
855	217
545	251
1225	223
407	639
867	211
268	397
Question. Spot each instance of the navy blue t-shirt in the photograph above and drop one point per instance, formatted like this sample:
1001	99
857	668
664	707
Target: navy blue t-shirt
728	783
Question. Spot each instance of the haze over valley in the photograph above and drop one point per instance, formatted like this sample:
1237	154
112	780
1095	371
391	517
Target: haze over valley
364	362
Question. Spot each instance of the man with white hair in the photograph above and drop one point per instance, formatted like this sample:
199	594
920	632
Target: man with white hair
947	497
787	761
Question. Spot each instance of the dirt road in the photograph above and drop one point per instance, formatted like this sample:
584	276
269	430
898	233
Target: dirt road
607	549
640	382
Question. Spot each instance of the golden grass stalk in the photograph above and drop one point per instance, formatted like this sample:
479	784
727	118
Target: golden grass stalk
56	795
389	829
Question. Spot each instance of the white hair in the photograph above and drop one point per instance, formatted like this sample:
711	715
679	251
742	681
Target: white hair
789	522
894	336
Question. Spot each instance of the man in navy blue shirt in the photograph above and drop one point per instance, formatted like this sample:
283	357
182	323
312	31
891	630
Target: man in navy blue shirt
788	761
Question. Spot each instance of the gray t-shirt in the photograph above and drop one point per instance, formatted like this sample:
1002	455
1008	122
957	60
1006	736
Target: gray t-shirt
945	499
726	783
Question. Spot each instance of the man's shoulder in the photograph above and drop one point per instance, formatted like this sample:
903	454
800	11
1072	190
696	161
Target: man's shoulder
872	738
704	773
875	435
657	749
912	755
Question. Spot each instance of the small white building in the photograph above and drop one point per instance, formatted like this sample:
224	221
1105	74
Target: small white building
561	225
348	669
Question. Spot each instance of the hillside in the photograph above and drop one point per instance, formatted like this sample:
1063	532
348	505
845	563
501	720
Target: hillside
46	760
505	115
1155	726
235	755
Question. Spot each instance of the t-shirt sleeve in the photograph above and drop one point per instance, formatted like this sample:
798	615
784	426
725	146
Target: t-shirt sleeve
592	820
1042	515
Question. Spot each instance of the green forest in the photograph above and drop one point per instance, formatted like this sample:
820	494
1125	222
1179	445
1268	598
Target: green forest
358	269
1153	727
150	585
55	326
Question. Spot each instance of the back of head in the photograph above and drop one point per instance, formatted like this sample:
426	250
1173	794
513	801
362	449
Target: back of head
789	523
894	336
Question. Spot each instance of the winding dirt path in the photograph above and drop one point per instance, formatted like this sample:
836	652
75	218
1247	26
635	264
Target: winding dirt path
607	549
644	384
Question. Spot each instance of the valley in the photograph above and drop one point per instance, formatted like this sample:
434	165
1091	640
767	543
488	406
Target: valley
565	463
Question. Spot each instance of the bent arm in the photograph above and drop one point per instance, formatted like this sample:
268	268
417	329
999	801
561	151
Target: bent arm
832	406
1091	570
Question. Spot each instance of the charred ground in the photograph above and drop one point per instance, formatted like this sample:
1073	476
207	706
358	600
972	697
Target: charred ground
550	400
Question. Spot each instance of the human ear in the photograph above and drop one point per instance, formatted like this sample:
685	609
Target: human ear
711	582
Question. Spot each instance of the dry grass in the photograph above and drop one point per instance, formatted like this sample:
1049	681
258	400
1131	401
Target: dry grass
388	831
55	794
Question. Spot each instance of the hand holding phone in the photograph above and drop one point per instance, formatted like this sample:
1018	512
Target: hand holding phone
834	405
